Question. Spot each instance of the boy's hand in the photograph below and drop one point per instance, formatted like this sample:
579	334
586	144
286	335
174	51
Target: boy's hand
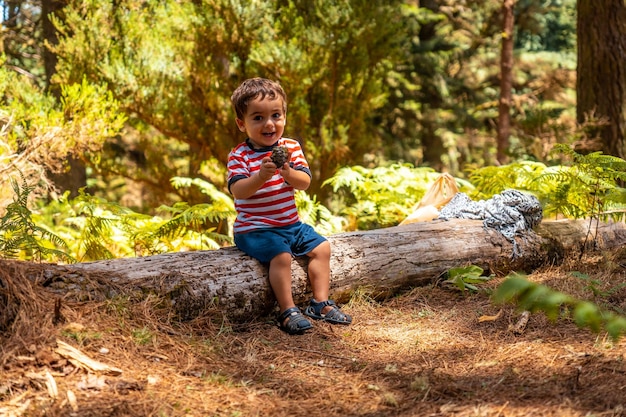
285	170
299	180
268	168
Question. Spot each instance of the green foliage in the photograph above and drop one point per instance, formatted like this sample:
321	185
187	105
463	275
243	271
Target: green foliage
444	88
312	212
546	25
22	41
89	115
535	297
99	229
367	82
90	225
524	175
175	64
186	224
384	196
595	285
38	133
589	187
199	218
21	238
591	183
143	336
379	197
466	278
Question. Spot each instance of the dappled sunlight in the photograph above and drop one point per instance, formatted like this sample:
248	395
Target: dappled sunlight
430	351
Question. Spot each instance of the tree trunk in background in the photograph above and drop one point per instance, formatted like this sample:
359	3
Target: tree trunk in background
506	76
379	262
601	72
50	8
432	145
74	177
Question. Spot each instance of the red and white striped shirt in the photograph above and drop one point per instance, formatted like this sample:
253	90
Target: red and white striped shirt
273	205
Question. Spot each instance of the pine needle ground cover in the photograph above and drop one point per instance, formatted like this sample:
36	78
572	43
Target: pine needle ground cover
431	351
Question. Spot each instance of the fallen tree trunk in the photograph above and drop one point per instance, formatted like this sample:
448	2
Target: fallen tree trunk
383	261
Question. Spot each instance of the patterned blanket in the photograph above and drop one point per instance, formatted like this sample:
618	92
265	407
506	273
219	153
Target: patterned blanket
510	213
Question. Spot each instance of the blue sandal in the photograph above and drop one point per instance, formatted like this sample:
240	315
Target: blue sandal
293	322
335	316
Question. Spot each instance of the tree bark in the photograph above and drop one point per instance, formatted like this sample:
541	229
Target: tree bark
383	262
50	8
74	176
601	74
506	81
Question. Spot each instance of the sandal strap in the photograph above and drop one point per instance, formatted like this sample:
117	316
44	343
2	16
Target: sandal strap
287	313
334	315
338	315
295	323
318	306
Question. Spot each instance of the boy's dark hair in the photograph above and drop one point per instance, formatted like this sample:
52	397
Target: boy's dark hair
253	88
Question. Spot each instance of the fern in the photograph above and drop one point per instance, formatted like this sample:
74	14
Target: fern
382	196
96	221
317	215
492	180
99	229
190	226
594	182
187	221
21	237
589	187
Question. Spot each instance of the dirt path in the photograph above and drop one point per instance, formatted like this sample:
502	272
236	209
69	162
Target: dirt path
424	353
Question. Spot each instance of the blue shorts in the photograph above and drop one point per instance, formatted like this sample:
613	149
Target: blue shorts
264	244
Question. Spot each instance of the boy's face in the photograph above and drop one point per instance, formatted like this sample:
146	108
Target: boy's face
264	121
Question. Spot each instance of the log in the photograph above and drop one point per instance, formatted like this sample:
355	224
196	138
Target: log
381	262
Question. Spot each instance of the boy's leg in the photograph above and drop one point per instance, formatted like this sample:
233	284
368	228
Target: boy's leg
280	280
291	319
319	275
319	272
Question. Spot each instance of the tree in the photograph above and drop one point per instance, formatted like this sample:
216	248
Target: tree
50	10
173	65
506	75
29	33
601	81
73	176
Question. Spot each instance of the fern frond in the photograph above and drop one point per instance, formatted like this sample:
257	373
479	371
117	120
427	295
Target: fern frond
351	178
317	215
217	197
93	249
21	237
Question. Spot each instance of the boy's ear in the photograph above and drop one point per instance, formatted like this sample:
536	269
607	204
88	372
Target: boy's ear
241	125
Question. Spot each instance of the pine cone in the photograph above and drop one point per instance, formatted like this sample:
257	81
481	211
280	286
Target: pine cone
280	155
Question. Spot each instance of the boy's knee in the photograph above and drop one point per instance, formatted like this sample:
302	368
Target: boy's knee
321	251
282	259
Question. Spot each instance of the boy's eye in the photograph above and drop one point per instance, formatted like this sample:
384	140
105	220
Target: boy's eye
277	115
257	118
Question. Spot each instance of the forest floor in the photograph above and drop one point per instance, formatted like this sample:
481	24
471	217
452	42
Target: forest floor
426	352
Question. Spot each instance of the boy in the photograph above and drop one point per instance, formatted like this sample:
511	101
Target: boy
267	226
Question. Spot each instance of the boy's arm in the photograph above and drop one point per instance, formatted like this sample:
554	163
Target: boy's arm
246	187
